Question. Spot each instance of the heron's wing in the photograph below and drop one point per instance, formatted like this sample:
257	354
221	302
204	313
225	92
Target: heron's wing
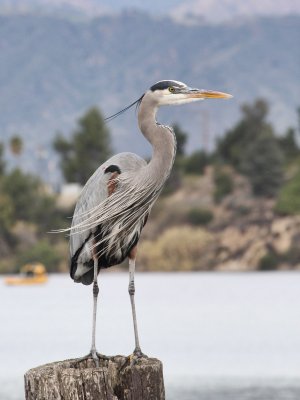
94	192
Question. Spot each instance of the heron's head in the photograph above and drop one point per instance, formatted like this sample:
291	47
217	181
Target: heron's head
169	92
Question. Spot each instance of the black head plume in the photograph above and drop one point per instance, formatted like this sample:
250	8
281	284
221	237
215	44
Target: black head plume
136	103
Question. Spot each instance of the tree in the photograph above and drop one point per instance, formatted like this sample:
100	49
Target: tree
196	162
298	120
16	145
29	202
263	164
2	162
43	252
6	216
288	202
232	146
288	145
23	190
224	184
88	148
253	149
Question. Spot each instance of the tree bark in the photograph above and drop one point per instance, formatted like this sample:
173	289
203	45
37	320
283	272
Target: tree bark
117	378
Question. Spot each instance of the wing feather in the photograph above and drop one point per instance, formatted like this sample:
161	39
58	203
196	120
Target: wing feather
94	193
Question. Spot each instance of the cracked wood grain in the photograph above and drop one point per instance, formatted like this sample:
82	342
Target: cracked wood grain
115	379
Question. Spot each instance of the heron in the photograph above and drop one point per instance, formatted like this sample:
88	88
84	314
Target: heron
116	201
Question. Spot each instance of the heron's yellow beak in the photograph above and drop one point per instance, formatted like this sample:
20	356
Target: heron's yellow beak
207	94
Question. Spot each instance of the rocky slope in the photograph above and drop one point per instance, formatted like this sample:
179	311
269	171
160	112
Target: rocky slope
244	235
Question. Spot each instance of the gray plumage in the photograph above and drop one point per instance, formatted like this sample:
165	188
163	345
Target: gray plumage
94	207
122	215
109	226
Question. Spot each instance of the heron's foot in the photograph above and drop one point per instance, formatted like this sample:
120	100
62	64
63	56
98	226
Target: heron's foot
138	353
102	356
95	356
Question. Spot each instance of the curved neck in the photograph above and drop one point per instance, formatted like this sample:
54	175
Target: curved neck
161	138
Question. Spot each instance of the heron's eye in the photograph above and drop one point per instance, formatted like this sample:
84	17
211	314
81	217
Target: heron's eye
171	89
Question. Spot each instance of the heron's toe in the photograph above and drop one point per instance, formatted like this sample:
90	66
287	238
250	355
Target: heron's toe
138	354
103	357
95	358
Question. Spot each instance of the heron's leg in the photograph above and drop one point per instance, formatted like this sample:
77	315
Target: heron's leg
93	353
95	296
131	290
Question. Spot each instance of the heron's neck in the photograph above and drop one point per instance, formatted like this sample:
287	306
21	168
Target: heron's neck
161	138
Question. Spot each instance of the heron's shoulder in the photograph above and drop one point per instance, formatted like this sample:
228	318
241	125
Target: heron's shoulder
125	161
95	190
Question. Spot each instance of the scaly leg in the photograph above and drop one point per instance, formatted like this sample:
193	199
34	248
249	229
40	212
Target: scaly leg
95	296
93	353
131	289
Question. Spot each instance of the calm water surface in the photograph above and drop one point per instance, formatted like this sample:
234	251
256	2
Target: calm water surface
220	336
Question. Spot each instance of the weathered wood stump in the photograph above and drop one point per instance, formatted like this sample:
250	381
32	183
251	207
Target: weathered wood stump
118	378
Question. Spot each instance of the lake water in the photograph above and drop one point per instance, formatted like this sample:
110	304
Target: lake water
220	336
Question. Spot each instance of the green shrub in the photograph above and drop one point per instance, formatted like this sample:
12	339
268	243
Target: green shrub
224	184
269	262
42	252
6	214
288	202
30	202
242	211
199	216
196	162
288	145
292	255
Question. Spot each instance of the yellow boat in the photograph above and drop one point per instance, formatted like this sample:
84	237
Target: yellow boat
30	274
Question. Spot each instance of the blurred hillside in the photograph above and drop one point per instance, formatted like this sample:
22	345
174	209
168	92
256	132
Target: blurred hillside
212	10
216	11
236	208
53	69
190	231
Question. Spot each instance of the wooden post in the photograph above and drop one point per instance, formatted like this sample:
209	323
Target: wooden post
118	378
